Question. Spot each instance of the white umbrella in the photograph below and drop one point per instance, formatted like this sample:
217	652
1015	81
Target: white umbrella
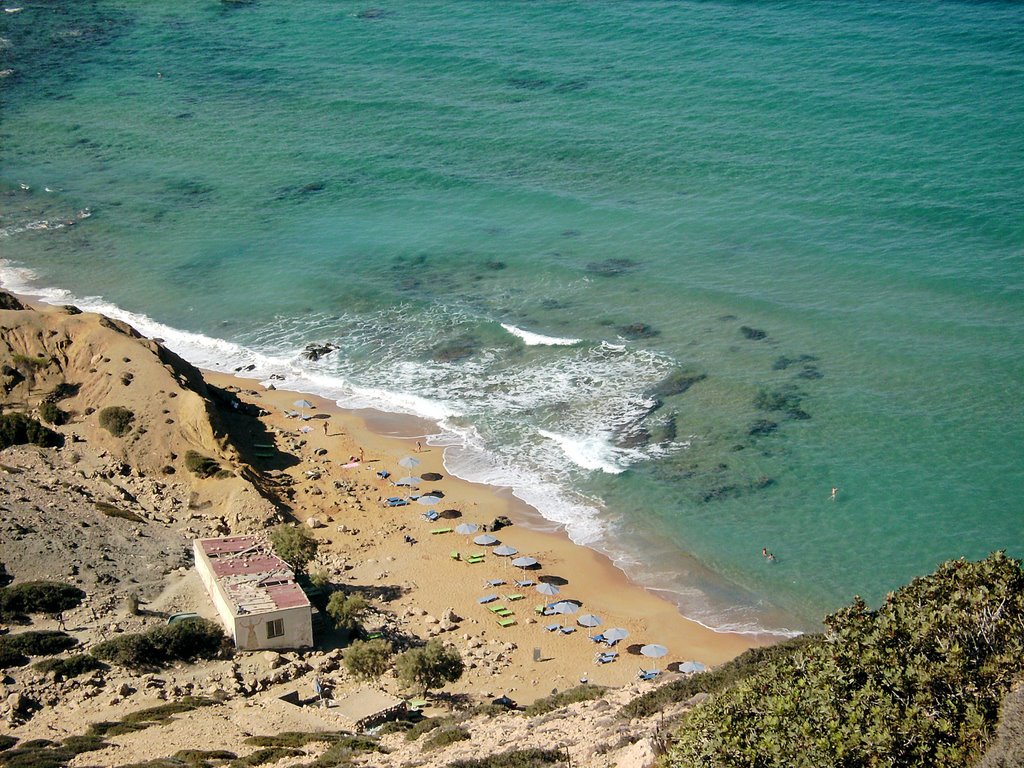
689	667
409	462
589	620
654	650
467	528
408	481
615	634
485	540
547	589
564	607
303	405
505	551
428	500
524	562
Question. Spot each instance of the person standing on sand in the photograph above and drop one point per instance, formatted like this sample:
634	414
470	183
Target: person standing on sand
419	446
325	429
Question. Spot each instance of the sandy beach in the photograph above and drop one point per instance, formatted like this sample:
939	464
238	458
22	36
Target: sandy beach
364	547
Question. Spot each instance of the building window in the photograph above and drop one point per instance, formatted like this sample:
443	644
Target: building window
275	628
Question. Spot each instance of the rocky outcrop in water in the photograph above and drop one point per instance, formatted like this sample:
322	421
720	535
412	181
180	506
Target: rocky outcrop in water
315	351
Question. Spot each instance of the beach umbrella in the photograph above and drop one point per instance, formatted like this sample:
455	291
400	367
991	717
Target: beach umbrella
689	667
524	562
408	462
408	481
505	551
548	589
654	650
615	634
451	514
564	607
427	500
432	476
485	540
467	528
303	405
589	620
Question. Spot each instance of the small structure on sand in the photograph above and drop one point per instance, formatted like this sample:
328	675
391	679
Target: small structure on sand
255	593
364	709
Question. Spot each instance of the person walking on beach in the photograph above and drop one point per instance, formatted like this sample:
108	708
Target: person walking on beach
325	429
419	446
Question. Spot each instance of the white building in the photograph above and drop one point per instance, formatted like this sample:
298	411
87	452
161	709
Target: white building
254	592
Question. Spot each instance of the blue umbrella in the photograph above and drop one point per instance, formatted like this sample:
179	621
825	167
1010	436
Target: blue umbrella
485	540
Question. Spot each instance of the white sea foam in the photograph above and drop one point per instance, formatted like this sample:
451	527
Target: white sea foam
531	339
594	453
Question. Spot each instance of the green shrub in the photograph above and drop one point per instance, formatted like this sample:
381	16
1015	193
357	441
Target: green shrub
11	658
51	414
198	756
87	743
71	666
427	724
916	682
683	689
584	692
347	610
63	391
38	643
111	511
6	742
292	739
200	465
516	758
142	719
183	641
37	754
444	737
19	429
39	597
430	667
264	756
31	363
368	659
296	546
116	420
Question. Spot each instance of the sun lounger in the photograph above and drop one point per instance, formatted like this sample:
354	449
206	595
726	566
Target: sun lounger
291	414
506	622
264	446
603	658
430	515
416	705
454	555
524	583
396	501
494	582
383	474
504	613
437	531
375	636
598	638
568	630
475	559
496	608
486	599
648	674
264	454
553	627
512	598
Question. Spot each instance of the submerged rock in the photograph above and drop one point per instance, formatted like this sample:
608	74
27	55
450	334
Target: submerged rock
676	383
612	267
762	427
636	331
454	351
754	334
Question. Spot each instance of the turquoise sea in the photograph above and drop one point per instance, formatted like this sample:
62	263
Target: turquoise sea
669	270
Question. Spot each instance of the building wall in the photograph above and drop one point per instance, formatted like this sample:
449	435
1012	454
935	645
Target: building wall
249	631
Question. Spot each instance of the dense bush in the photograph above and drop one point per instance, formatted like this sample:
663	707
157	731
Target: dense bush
584	692
516	758
71	666
19	429
39	643
347	611
444	737
368	659
39	597
200	465
51	414
296	546
429	667
683	689
916	682
183	641
116	420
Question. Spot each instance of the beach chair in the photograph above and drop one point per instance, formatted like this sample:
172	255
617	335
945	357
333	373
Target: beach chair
496	608
486	599
396	501
454	555
524	583
438	531
568	630
430	515
494	582
506	622
474	559
383	474
416	705
264	454
504	613
539	609
375	636
513	598
598	638
264	446
553	627
648	674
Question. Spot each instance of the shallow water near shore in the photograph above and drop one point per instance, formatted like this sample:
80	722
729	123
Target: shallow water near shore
669	271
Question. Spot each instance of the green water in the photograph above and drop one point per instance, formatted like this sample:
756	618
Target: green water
844	177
